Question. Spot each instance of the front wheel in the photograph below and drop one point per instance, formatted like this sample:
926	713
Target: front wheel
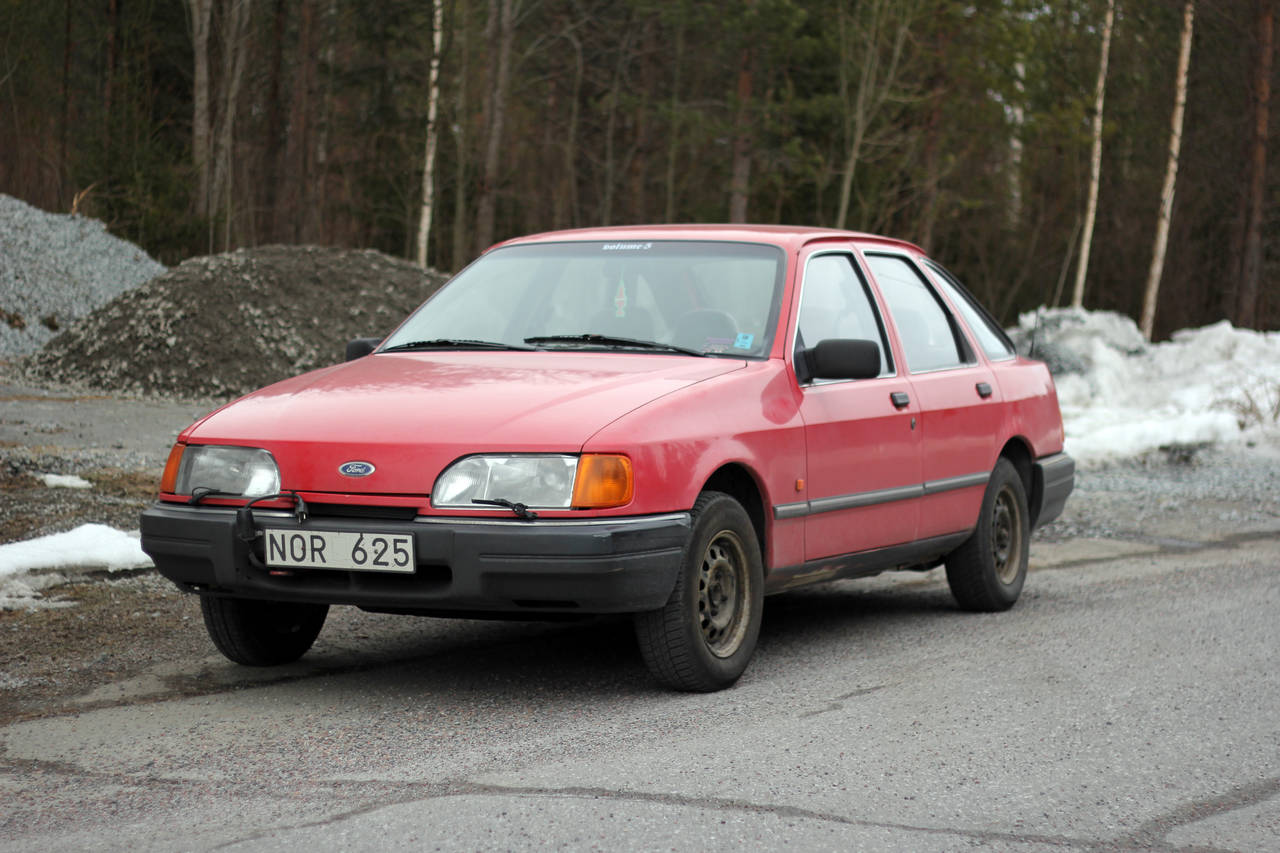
261	633
986	573
704	636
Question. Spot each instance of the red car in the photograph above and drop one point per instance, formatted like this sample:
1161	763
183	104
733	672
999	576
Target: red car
671	421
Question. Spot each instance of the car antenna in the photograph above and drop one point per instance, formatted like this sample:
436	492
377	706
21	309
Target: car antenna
1031	351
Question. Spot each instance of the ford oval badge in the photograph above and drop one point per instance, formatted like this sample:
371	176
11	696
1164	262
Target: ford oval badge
356	469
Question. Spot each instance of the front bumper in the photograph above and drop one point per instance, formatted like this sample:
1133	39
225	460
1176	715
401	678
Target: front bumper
463	566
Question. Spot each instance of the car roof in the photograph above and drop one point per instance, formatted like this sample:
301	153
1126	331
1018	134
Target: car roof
788	237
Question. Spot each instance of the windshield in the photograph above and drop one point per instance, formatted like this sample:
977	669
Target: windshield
706	297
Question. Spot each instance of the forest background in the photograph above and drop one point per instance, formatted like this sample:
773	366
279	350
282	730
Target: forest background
198	126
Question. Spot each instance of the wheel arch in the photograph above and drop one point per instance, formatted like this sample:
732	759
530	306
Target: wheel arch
737	481
1018	452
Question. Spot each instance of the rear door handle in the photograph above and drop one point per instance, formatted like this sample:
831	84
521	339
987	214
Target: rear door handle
900	399
984	390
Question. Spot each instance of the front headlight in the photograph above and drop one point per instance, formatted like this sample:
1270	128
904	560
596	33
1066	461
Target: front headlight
544	482
560	481
246	471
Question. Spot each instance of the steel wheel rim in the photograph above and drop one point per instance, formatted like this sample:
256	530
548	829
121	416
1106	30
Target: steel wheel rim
724	601
1006	536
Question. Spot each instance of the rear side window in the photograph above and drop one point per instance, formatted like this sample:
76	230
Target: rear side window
990	336
929	337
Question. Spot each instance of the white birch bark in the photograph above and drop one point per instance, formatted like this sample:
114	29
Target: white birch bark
429	157
1170	176
1095	160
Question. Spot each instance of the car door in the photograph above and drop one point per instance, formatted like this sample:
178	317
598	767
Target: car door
862	442
961	414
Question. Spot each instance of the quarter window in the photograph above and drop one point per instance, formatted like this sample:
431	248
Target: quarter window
927	331
835	303
990	337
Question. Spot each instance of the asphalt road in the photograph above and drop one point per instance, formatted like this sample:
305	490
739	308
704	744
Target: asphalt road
1130	701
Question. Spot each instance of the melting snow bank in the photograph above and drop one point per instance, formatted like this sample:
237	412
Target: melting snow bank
1122	397
89	546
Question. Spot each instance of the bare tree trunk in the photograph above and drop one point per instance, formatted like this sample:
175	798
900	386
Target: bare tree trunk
740	181
1246	313
486	206
1095	159
673	132
878	77
429	158
461	222
201	12
293	221
273	148
108	88
66	104
569	212
1018	116
1170	176
235	47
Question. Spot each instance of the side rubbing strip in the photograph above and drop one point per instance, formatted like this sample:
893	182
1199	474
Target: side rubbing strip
964	481
879	496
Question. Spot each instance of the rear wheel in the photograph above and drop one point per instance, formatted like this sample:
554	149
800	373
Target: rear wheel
704	636
262	633
986	573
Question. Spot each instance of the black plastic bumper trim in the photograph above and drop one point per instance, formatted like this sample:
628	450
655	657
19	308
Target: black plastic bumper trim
614	565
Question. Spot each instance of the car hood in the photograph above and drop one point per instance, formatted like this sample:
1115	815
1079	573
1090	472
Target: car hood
411	414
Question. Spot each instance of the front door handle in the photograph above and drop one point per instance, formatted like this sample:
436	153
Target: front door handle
984	390
900	399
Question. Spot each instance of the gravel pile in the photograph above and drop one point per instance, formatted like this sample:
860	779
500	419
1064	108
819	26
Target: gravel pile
55	269
226	324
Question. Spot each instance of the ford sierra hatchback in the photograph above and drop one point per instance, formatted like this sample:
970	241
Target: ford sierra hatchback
670	422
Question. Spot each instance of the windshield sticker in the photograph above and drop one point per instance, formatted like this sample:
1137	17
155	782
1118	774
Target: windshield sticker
743	341
626	247
620	300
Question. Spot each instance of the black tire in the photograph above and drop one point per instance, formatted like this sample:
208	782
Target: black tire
261	633
986	573
704	636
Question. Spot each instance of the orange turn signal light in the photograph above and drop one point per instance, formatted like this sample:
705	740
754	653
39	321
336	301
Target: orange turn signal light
169	481
604	480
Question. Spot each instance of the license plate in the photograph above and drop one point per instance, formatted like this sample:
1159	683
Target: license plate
328	549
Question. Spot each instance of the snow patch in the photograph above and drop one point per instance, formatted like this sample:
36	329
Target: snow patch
64	481
89	546
1121	397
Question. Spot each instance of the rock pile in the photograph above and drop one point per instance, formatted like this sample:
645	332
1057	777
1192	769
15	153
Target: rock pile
56	268
224	325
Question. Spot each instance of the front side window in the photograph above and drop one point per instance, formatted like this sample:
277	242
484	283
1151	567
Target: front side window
929	338
704	297
835	303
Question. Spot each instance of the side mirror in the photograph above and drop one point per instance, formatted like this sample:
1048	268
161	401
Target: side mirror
360	347
844	358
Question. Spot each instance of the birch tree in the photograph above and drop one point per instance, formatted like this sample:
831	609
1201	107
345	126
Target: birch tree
1095	159
429	157
1170	175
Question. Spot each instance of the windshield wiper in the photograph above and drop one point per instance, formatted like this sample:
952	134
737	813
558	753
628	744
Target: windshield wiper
453	343
610	341
521	511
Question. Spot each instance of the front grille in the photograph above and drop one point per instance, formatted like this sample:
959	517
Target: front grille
379	513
